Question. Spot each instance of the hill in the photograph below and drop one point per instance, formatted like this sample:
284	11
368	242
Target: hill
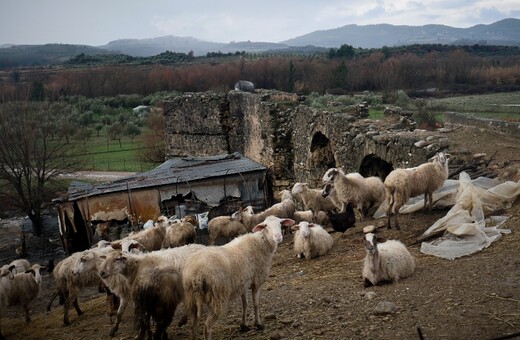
504	32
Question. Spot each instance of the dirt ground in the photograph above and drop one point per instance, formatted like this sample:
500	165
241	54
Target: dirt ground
474	297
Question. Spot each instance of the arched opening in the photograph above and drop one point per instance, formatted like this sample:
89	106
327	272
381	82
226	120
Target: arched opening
321	157
373	165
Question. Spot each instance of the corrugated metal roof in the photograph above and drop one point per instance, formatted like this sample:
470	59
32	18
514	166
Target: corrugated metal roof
176	170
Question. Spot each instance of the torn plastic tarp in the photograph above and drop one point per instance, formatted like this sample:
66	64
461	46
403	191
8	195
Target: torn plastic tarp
466	230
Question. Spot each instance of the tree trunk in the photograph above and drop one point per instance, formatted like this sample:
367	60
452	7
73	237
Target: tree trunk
36	223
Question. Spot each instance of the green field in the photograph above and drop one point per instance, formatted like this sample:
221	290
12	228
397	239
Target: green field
101	154
504	106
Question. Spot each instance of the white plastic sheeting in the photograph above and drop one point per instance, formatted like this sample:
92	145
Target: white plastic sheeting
466	230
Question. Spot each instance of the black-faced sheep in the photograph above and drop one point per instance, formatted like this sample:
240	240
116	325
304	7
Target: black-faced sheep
311	240
354	189
221	273
389	261
402	184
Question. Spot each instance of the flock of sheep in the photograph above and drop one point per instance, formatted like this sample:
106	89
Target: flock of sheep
161	268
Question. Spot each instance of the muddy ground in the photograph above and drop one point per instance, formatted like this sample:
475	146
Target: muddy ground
474	297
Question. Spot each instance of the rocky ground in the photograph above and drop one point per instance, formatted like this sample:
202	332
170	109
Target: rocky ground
474	297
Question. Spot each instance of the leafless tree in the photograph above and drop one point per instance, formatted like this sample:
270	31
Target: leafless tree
33	154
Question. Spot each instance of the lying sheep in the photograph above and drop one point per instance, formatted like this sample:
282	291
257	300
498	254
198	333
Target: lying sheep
20	266
386	262
307	215
221	273
225	227
312	199
175	257
311	240
343	220
353	188
22	288
155	286
179	234
402	184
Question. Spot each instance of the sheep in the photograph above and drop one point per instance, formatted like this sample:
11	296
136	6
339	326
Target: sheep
353	188
152	238
385	262
311	240
284	209
402	184
221	273
226	227
69	285
20	266
119	285
155	285
24	287
307	215
128	246
5	274
179	234
343	220
312	199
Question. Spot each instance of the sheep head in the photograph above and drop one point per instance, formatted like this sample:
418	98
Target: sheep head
298	188
113	263
272	226
304	228
330	175
326	190
84	263
371	240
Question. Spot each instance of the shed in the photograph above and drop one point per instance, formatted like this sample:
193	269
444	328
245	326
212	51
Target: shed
217	185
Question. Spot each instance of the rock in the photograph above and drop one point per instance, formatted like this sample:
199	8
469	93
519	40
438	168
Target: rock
275	336
369	229
420	143
370	295
385	308
270	317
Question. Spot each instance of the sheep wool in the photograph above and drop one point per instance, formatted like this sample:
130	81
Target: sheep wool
311	240
221	273
389	261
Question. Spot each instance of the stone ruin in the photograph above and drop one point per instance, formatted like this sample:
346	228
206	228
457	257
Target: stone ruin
295	142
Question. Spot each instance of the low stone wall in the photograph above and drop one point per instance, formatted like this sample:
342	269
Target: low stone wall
512	128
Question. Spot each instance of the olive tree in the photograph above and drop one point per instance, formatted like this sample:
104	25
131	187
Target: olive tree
33	155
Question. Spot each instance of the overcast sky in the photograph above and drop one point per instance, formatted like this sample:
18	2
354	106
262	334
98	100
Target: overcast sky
96	22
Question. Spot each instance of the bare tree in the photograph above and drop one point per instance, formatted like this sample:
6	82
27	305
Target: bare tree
33	154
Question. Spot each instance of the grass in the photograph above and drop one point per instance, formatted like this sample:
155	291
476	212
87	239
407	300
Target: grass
504	106
100	154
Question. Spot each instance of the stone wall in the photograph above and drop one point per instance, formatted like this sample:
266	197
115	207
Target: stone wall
512	128
297	143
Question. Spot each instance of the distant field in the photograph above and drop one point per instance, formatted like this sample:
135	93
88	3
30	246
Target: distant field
102	155
498	105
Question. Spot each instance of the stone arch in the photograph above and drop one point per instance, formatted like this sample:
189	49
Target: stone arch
321	157
373	165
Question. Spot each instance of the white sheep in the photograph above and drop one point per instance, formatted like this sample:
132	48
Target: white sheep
5	274
389	261
307	215
225	227
69	285
311	240
353	189
150	239
221	273
118	285
179	234
284	209
20	266
22	288
312	199
402	184
155	285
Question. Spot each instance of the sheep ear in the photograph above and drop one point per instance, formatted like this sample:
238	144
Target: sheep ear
295	227
11	267
134	246
287	222
312	225
259	227
447	155
30	271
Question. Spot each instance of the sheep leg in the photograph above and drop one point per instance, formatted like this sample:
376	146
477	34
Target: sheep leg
53	297
26	309
243	326
119	316
256	307
191	313
367	283
210	321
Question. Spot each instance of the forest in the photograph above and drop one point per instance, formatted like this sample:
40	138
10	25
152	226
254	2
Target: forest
346	70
